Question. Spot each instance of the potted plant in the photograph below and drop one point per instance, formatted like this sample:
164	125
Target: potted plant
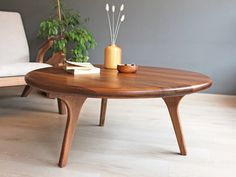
68	34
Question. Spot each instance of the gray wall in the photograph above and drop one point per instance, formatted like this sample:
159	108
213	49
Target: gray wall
197	35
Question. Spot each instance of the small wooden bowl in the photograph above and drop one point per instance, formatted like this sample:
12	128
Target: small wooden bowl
127	68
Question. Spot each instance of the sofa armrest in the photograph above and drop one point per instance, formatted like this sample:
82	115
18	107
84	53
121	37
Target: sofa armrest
43	50
57	59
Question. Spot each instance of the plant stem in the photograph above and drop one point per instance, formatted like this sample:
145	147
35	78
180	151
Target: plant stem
59	10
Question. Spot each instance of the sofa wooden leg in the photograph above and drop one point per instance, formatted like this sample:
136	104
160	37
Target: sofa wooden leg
26	91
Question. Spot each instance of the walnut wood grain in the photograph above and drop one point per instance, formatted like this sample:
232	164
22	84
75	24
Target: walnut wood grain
57	59
148	82
43	50
173	105
74	105
61	106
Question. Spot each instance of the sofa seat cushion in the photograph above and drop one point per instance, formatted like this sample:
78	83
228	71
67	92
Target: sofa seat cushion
20	69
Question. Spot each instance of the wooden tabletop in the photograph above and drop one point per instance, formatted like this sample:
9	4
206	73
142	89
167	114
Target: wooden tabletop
147	82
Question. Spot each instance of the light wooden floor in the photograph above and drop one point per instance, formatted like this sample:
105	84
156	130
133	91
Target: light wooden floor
137	141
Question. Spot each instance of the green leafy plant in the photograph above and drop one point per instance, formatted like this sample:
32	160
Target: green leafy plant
68	33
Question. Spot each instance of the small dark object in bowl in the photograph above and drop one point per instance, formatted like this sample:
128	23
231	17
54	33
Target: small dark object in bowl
127	68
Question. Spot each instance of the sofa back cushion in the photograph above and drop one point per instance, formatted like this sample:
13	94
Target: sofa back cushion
13	43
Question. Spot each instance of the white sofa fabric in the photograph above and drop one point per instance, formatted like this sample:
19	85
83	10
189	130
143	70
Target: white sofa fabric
14	50
20	69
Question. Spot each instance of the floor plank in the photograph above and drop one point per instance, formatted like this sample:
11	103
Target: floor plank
137	140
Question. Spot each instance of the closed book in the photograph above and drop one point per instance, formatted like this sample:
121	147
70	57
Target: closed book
70	67
94	70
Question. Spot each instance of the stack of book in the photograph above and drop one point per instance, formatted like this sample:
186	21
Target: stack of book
80	68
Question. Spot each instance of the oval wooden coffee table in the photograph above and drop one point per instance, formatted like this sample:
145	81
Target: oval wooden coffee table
149	82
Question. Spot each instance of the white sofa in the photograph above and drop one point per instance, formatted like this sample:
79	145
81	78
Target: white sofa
14	51
14	56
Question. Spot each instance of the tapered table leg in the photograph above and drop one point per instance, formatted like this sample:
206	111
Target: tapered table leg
74	105
61	107
173	104
103	112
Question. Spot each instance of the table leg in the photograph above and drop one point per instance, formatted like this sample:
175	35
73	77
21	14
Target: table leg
173	104
74	105
61	106
103	112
